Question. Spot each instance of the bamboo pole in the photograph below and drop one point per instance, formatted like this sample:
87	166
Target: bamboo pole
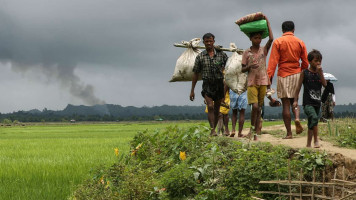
257	198
349	195
313	185
305	183
343	178
279	189
347	183
289	178
239	51
297	195
300	185
334	185
324	182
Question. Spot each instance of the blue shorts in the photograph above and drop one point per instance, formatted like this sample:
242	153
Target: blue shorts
238	101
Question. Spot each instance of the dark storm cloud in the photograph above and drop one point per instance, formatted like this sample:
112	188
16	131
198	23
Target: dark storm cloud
137	36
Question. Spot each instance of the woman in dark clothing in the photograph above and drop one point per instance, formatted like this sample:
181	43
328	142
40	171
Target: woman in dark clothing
328	102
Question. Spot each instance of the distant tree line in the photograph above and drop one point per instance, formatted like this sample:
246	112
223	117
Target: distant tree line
109	112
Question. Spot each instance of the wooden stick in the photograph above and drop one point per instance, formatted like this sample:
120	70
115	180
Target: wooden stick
324	182
289	178
349	195
347	183
334	185
257	198
300	185
343	178
295	194
312	197
279	189
305	183
239	51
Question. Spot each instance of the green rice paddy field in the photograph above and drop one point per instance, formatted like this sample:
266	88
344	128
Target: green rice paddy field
48	161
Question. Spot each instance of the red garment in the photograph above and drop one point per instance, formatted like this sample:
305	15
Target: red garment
286	52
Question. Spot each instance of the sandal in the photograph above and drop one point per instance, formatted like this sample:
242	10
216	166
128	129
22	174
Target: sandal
275	103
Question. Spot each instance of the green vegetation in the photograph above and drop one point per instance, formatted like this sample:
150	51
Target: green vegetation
341	132
185	163
47	161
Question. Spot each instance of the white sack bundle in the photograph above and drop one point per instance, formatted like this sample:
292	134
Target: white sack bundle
185	63
234	78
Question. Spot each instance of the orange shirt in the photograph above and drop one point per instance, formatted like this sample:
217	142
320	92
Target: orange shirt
286	52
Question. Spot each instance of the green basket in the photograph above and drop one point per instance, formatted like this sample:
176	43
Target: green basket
255	26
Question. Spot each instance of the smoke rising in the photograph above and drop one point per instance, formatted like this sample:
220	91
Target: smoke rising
29	49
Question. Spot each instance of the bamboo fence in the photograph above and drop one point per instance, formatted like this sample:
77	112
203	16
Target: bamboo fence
347	189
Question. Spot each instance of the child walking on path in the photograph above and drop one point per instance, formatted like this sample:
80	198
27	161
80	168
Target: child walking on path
312	80
238	104
254	62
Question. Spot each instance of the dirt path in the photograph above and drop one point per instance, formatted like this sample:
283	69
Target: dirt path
300	142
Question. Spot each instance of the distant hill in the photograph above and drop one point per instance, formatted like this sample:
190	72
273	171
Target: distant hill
111	112
119	111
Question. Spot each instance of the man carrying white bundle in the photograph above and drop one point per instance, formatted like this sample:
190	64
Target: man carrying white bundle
210	64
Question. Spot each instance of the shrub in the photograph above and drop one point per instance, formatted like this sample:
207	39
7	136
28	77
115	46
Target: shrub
187	163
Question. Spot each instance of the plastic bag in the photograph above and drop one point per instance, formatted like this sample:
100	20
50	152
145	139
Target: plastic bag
255	26
185	63
234	78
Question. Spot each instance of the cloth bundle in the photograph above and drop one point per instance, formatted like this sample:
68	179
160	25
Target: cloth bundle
234	78
254	22
250	18
185	63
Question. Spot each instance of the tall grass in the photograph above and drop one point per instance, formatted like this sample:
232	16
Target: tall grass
49	161
342	132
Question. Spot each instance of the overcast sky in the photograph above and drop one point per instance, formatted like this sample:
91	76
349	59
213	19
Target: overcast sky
85	52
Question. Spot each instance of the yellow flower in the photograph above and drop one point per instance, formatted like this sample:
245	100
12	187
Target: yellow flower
182	155
133	153
102	180
138	146
107	184
116	152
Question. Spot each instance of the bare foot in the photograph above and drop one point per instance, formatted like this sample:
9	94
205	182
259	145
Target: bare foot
232	134
308	146
240	135
316	145
288	137
255	137
213	133
249	135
